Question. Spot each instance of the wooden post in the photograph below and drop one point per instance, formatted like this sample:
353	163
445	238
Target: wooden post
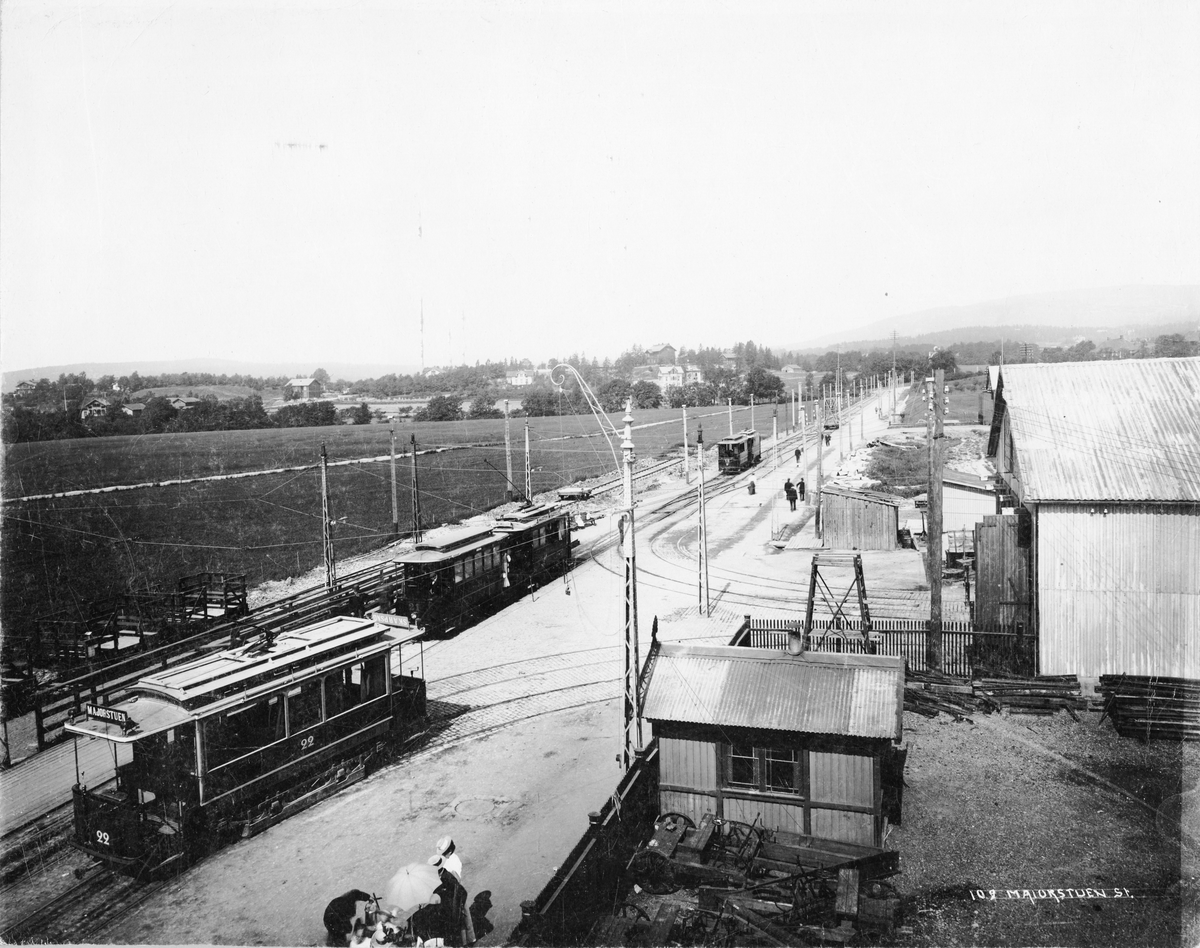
395	501
508	491
933	642
820	465
416	494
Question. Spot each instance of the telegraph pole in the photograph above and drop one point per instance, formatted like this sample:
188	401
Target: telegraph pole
937	410
416	494
702	532
327	525
775	436
731	417
893	415
395	502
508	491
633	713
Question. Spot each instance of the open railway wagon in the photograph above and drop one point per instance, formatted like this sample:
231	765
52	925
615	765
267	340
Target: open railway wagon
452	580
230	743
739	452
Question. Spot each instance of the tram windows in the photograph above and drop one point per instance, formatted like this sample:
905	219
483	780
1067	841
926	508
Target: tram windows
356	684
459	569
304	706
161	762
469	566
243	730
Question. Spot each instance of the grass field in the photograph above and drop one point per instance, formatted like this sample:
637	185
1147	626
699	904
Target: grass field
60	553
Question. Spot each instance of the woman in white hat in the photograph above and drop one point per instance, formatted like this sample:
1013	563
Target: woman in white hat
450	859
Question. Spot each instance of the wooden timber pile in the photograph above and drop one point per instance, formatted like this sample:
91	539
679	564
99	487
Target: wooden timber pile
928	693
1152	707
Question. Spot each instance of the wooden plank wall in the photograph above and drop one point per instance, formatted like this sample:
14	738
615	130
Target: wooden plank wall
851	524
1002	591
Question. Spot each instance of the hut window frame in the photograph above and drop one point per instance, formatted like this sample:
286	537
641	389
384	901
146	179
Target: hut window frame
776	770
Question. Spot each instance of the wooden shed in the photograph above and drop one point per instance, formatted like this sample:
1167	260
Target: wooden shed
859	519
803	743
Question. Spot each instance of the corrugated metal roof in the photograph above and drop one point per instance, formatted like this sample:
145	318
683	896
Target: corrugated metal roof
1110	430
874	496
813	693
968	481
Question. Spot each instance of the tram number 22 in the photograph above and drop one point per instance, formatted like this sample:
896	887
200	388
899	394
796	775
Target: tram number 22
102	838
306	743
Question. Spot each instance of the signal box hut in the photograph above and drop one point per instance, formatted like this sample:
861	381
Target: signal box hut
859	519
1104	461
805	742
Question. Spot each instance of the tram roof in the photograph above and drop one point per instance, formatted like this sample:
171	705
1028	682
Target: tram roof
739	437
146	715
442	553
296	654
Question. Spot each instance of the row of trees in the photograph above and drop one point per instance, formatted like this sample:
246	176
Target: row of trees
161	417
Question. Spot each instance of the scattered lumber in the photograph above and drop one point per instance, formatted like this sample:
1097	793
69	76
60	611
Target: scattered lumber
1152	707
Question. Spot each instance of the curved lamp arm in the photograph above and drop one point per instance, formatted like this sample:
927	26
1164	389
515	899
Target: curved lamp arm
558	375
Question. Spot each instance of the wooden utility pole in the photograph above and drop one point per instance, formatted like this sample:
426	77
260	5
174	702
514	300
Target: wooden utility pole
327	525
702	532
937	414
395	501
820	465
731	417
416	495
508	490
633	713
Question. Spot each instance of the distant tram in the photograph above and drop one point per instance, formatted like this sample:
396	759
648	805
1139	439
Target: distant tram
739	452
453	580
228	744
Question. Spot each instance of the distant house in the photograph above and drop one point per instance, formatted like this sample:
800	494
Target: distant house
519	379
24	388
305	388
94	408
730	358
666	377
792	369
182	403
133	409
1103	459
692	374
662	354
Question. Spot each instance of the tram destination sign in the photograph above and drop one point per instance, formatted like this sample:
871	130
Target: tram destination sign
101	713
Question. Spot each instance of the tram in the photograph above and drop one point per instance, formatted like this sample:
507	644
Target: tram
739	452
224	745
451	581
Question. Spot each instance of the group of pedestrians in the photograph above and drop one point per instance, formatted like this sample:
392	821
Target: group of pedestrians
793	492
443	919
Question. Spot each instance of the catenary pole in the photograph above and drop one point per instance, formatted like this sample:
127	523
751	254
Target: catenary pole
508	489
395	496
416	494
702	534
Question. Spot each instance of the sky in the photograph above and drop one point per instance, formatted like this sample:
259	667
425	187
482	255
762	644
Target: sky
307	182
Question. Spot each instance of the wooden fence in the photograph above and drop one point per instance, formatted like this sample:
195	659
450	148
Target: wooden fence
965	651
588	884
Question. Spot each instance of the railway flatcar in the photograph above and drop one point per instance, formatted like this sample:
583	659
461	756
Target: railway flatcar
227	744
739	452
451	581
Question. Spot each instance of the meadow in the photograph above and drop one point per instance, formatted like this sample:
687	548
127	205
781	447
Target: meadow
60	553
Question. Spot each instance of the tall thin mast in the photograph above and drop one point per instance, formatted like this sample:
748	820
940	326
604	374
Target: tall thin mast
633	713
327	525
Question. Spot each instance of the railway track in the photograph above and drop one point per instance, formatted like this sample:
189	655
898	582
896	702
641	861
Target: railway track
463	708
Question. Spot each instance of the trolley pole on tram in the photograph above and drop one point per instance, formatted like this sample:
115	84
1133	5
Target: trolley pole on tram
508	490
687	474
327	524
633	712
528	469
702	532
416	494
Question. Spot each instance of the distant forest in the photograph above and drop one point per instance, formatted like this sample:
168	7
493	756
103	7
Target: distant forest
52	409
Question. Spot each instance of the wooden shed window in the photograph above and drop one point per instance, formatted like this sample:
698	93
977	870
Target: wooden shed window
766	769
